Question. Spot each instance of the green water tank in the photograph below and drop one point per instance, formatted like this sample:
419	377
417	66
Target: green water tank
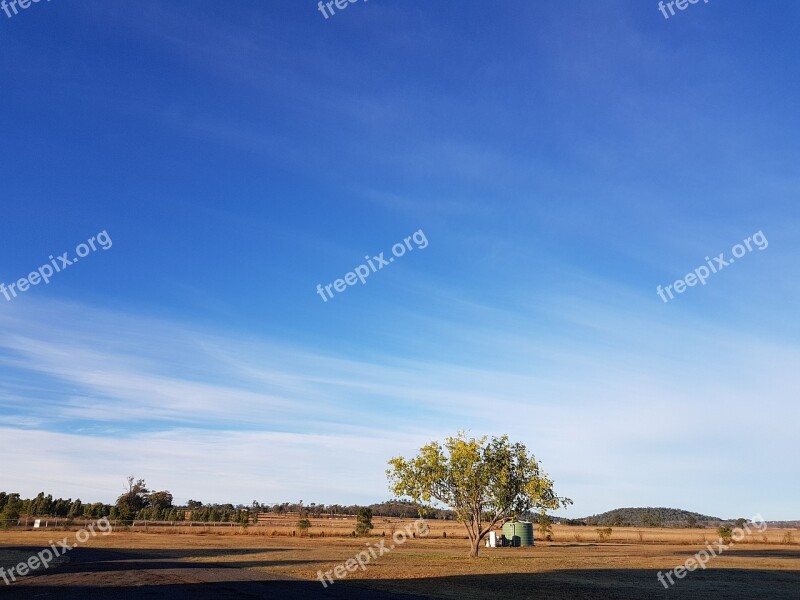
518	533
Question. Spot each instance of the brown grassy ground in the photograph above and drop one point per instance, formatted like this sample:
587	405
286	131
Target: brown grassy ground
343	526
622	567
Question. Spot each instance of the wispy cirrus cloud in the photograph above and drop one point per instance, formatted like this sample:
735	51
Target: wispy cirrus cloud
146	395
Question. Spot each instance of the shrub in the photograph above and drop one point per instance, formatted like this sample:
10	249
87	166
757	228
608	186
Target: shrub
725	534
303	525
545	527
603	533
788	538
364	521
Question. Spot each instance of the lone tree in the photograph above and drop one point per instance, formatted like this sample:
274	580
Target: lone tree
485	483
303	524
363	521
725	534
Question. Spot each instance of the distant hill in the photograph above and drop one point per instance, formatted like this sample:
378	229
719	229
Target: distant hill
651	517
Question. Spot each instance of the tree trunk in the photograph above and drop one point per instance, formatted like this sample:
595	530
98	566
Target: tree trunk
476	545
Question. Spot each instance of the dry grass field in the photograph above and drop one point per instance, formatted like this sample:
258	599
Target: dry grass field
342	526
574	565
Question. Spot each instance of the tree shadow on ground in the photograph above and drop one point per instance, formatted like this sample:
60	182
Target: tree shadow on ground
91	560
767	553
739	552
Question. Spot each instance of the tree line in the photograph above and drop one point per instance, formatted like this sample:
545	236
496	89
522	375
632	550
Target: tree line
12	507
391	508
139	503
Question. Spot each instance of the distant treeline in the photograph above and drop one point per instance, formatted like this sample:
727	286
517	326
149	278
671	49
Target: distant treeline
652	517
12	506
156	506
390	508
140	503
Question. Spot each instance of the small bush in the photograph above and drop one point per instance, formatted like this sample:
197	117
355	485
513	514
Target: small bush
545	527
364	521
725	534
788	538
603	533
303	525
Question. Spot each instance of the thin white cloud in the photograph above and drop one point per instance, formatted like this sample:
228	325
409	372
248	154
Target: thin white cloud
268	419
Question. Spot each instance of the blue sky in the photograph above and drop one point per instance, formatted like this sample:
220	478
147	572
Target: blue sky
562	159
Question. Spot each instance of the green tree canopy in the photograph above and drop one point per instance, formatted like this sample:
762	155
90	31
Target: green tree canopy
485	482
11	510
363	521
135	499
160	501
